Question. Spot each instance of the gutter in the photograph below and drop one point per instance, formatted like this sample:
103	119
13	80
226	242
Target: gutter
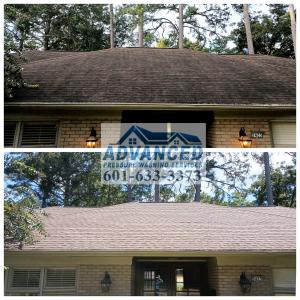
135	106
151	253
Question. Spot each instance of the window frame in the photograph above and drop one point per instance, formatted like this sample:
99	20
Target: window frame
20	136
20	290
52	289
19	133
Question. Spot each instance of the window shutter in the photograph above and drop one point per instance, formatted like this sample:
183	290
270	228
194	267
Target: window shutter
39	135
26	278
61	278
9	133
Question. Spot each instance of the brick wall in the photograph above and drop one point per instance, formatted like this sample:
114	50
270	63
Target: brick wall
221	133
110	133
213	274
228	280
73	133
225	133
89	278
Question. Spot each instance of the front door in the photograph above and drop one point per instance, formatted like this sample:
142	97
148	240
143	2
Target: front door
171	279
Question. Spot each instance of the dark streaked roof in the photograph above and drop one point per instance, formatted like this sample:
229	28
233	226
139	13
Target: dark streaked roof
158	76
169	227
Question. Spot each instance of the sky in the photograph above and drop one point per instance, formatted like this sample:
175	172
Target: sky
276	159
234	18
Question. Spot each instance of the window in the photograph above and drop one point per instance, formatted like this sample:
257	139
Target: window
150	287
38	135
23	278
176	142
33	134
9	133
59	278
42	281
132	141
179	280
185	285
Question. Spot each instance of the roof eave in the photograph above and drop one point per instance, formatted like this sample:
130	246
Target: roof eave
152	253
173	106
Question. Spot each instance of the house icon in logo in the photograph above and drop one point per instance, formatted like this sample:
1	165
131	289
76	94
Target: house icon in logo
138	136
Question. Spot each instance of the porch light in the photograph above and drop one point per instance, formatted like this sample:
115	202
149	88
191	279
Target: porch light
245	283
92	139
106	282
244	139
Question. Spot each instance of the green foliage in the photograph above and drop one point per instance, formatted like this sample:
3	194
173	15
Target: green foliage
283	182
73	179
22	218
271	34
219	46
131	15
12	53
67	179
12	70
68	27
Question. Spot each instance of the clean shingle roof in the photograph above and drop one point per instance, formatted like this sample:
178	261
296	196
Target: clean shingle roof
158	76
169	227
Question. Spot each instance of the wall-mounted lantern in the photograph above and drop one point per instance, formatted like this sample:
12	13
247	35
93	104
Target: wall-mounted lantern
106	283
244	139
245	283
92	139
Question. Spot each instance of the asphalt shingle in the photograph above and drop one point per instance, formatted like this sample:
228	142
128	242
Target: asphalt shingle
169	227
158	76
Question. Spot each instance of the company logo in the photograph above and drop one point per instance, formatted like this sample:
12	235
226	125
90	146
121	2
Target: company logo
149	155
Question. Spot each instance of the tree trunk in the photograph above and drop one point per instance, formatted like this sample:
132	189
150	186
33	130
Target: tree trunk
129	193
248	29
293	198
44	202
156	193
47	34
141	30
197	192
293	25
112	29
180	41
269	191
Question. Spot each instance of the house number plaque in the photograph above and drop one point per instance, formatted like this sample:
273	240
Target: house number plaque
257	134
